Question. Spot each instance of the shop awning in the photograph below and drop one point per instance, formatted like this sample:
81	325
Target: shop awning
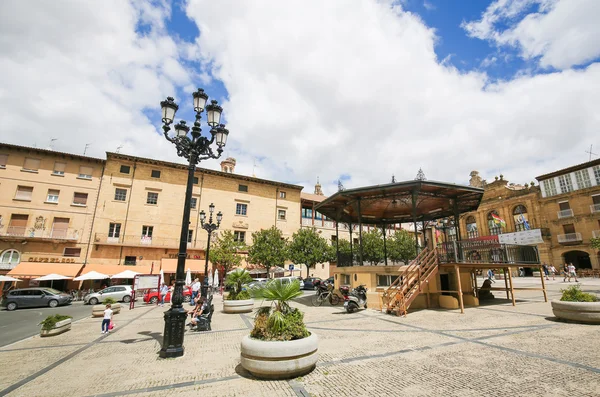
169	265
111	270
39	269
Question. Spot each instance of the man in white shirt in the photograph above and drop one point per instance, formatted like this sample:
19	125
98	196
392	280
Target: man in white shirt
195	290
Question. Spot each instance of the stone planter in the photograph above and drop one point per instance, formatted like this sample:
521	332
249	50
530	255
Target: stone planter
243	306
279	360
59	328
98	310
581	312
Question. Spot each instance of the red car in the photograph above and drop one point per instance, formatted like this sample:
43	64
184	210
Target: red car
151	296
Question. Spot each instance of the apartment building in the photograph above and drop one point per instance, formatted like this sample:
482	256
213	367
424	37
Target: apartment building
47	204
570	209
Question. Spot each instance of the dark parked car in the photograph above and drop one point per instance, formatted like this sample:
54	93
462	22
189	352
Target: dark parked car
311	282
35	297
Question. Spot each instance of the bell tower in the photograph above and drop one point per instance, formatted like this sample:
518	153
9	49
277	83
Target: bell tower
318	190
228	165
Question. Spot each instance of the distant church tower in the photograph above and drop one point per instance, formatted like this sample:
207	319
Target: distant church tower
228	165
318	190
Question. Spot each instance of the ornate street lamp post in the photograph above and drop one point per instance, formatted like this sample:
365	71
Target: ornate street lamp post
194	149
209	227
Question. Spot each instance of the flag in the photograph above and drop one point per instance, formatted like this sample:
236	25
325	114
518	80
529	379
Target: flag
524	222
498	220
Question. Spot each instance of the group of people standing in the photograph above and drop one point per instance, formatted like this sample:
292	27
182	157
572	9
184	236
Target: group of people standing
569	271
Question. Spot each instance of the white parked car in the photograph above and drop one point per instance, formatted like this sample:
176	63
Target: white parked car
288	280
117	292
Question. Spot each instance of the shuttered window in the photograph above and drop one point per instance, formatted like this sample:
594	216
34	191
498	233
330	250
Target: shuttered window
31	164
59	168
24	193
85	172
80	198
60	226
17	225
3	160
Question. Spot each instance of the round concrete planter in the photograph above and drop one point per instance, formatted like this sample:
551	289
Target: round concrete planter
98	310
59	328
243	306
279	360
581	312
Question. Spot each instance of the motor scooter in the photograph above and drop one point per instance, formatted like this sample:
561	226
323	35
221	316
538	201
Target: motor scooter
355	299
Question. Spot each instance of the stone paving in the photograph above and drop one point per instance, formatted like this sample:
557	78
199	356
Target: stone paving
493	350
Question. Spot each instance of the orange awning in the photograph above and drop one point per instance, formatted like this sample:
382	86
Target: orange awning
169	265
115	269
38	269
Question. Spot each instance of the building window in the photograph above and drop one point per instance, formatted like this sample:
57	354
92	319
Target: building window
582	177
520	218
243	188
241	209
114	230
52	196
130	260
152	198
596	174
147	231
85	172
80	199
125	169
17	225
550	187
59	168
74	252
3	160
24	193
190	235
238	236
307	213
155	174
31	164
282	195
281	215
565	183
385	280
120	194
195	180
345	279
10	257
193	203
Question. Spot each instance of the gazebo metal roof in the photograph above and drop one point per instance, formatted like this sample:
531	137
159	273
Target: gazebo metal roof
393	202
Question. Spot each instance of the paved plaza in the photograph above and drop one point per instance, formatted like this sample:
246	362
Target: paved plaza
493	350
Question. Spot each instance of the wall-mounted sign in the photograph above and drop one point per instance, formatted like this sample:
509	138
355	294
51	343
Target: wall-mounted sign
50	260
175	256
526	237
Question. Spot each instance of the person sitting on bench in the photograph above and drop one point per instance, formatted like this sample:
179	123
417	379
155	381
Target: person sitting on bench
201	308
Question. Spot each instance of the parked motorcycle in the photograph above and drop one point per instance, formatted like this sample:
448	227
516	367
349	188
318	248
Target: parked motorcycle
354	299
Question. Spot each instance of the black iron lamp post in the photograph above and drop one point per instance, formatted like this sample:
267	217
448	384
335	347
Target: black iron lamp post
210	227
195	149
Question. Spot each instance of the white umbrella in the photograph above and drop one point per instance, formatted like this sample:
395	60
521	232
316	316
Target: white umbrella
210	278
188	277
8	278
216	278
126	274
51	277
91	275
162	276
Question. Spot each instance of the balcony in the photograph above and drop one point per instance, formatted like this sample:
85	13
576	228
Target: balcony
20	233
569	238
145	241
595	208
596	233
565	214
307	222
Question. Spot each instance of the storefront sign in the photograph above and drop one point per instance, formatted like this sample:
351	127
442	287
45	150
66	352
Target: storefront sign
50	260
526	237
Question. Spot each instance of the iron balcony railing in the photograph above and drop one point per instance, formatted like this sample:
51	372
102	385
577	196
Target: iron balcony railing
487	252
594	208
565	214
146	241
569	238
44	234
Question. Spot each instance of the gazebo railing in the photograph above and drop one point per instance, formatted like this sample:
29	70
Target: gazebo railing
487	252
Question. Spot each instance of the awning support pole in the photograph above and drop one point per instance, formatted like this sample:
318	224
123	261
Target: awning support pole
383	228
360	242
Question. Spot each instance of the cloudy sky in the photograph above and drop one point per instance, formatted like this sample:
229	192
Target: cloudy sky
355	91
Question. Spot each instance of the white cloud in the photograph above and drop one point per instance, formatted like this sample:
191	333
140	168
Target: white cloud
562	33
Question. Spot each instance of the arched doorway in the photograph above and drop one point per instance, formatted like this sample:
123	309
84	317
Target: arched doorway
580	259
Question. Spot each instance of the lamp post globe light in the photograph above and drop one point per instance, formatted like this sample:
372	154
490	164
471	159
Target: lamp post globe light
194	148
210	227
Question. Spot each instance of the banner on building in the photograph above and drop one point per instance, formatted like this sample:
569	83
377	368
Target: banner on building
525	237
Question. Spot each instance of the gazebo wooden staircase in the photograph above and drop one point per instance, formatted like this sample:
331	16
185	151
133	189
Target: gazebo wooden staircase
405	289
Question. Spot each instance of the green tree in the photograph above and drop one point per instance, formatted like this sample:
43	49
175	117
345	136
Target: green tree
372	246
224	252
401	247
268	249
344	246
308	248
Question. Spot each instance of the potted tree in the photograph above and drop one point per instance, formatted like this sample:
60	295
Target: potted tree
55	324
238	300
98	310
576	305
279	346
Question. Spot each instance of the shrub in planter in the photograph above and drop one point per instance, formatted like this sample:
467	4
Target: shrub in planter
238	300
577	305
98	310
279	346
55	324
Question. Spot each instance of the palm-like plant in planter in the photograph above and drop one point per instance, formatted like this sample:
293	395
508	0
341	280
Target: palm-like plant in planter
238	300
279	346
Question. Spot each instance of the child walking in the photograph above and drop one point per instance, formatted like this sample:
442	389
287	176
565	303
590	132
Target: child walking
108	313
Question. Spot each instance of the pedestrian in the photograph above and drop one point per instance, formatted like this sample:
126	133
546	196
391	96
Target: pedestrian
163	293
552	271
546	271
566	272
490	275
195	290
108	314
200	309
521	272
572	272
